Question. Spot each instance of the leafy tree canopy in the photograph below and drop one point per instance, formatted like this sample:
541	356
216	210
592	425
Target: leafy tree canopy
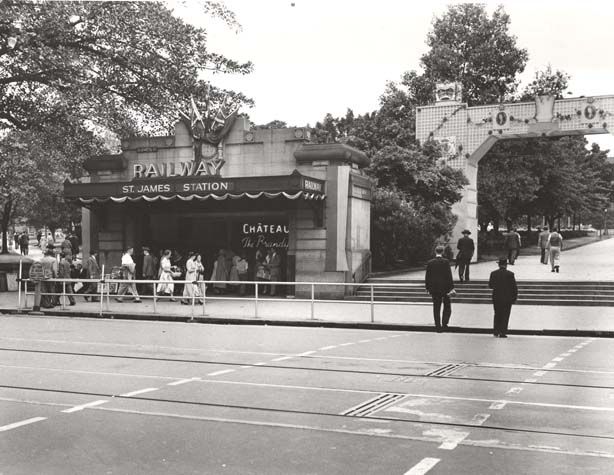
468	46
127	66
544	177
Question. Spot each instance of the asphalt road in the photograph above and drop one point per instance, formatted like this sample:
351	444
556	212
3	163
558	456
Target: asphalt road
125	397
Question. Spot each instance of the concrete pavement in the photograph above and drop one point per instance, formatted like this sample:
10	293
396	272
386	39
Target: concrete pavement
594	262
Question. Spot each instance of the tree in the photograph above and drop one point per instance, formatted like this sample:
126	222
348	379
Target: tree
33	168
127	66
120	67
546	177
468	46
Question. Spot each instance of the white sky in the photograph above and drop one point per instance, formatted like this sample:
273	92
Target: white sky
324	56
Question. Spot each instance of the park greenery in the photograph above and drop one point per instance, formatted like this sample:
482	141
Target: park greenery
72	73
517	180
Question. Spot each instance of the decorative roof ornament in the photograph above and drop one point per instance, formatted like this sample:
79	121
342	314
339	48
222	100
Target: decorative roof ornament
214	123
448	92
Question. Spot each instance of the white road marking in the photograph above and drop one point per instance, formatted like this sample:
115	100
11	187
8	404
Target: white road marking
498	405
306	353
85	406
530	380
565	355
346	344
259	364
515	390
223	371
423	466
247	366
77	371
324	348
549	365
573	350
359	432
479	419
395	336
539	373
183	381
520	403
25	422
453	440
283	358
364	341
139	391
558	359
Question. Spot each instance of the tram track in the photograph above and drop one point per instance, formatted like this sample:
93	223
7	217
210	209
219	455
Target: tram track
427	375
274	410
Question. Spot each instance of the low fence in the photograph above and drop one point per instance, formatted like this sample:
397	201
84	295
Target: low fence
106	290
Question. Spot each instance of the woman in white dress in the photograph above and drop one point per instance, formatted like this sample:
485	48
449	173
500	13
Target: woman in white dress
192	274
166	275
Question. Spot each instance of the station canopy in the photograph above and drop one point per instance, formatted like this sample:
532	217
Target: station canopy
188	188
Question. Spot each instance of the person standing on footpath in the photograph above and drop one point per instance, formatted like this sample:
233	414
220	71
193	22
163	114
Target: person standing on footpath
148	270
504	294
128	270
555	244
465	247
93	272
543	244
64	273
439	283
512	245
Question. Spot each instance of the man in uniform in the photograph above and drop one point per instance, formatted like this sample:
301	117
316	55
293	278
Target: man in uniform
504	294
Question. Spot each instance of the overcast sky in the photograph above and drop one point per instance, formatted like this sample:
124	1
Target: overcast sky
322	56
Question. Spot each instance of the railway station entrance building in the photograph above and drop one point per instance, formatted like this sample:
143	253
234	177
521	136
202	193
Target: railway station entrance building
253	190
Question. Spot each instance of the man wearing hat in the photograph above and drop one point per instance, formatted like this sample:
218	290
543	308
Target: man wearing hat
439	283
504	294
465	248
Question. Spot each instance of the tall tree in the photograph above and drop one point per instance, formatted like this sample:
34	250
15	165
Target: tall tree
123	67
468	46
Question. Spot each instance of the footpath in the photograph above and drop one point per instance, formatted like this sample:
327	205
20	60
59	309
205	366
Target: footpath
592	262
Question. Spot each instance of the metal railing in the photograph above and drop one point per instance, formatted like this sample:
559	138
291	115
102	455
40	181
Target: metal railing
308	292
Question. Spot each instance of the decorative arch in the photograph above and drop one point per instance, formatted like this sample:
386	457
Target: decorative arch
469	132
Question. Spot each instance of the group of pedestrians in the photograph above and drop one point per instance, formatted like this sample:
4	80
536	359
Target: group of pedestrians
439	282
226	267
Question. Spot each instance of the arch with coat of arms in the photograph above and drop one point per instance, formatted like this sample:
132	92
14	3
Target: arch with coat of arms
467	133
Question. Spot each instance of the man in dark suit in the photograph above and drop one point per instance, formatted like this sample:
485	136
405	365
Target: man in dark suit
465	248
504	294
93	272
440	285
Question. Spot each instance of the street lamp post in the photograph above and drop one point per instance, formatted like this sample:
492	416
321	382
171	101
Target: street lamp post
605	221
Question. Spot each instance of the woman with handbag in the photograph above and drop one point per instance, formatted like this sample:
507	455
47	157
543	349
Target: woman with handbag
166	287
